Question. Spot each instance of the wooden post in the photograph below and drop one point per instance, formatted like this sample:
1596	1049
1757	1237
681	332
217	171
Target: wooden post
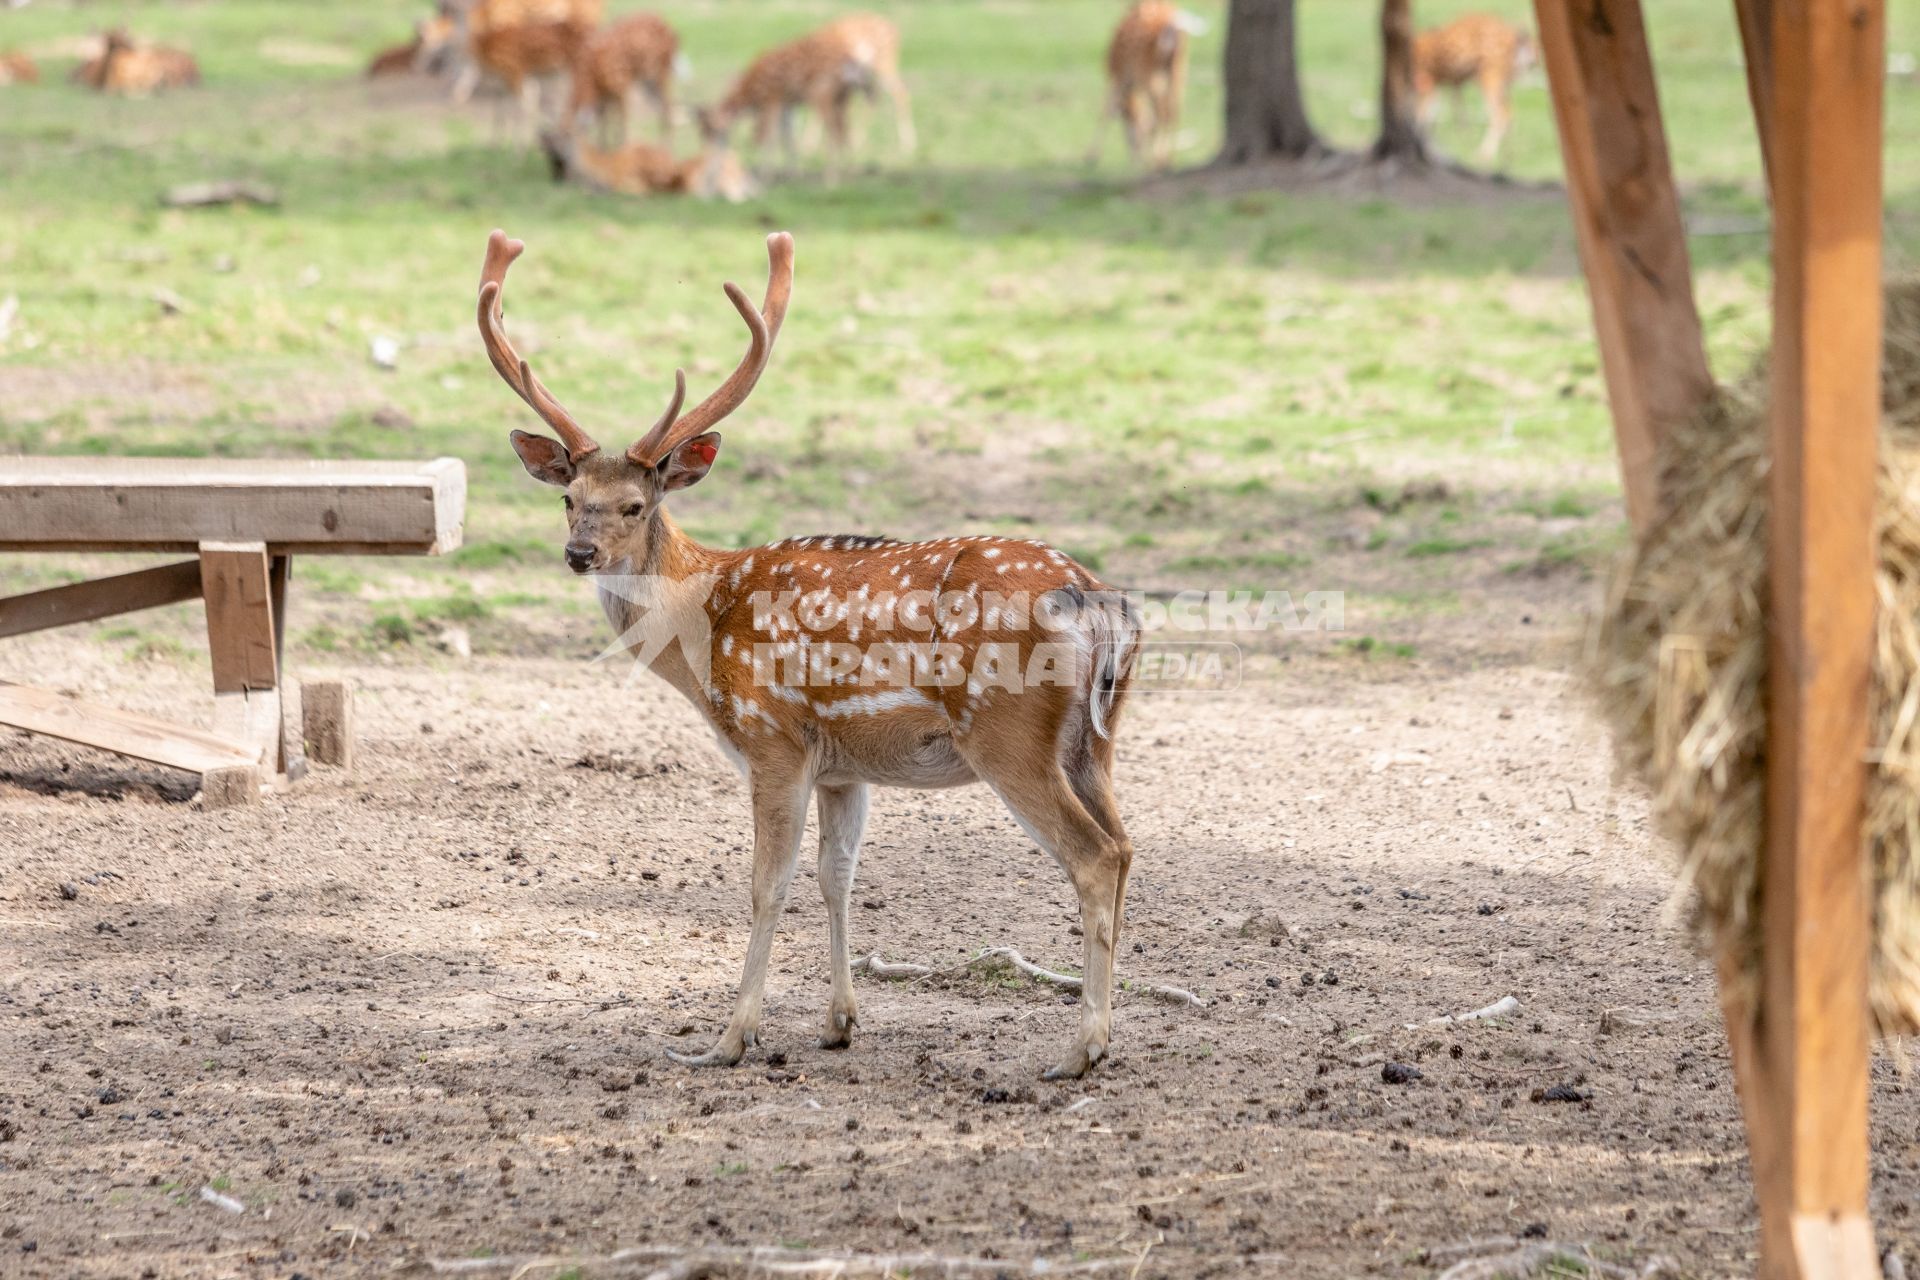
1626	214
1809	1077
326	707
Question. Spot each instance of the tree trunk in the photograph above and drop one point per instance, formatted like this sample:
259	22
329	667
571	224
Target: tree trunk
1266	117
1400	137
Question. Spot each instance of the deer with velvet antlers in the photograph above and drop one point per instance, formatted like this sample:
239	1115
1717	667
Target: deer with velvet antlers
828	665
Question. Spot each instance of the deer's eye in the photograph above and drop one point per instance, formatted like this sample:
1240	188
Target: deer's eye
568	500
634	510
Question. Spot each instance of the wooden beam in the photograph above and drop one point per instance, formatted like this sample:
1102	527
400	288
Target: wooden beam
100	598
125	732
1626	214
1756	44
1811	1168
174	504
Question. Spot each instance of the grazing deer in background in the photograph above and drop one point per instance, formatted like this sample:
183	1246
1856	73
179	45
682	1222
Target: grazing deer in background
638	169
133	69
1146	75
17	68
1479	47
821	71
524	58
522	43
639	53
1045	747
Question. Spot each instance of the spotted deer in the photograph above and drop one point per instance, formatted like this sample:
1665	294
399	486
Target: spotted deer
1489	51
17	68
638	169
638	54
524	45
803	710
135	69
821	71
1146	76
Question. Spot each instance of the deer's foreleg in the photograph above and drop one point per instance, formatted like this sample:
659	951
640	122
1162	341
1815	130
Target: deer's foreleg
843	816
779	816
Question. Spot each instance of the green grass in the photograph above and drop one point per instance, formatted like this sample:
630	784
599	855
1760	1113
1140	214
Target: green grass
987	338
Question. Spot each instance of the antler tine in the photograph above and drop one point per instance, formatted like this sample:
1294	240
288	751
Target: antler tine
514	371
763	325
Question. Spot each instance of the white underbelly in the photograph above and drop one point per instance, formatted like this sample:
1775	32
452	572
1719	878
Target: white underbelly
932	763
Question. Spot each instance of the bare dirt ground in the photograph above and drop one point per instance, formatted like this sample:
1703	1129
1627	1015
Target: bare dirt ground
418	1011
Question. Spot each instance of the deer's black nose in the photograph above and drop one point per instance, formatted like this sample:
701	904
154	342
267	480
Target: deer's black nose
579	558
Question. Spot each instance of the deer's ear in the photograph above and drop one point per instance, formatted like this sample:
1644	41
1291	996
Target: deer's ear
545	459
688	464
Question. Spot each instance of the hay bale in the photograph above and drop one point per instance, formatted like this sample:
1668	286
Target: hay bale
1678	658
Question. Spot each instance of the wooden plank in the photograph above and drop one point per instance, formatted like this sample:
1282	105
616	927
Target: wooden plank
100	598
235	580
414	508
110	729
1811	1169
1756	45
1626	215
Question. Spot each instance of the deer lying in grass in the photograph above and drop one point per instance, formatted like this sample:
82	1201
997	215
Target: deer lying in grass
638	54
17	68
821	72
1146	76
638	169
935	711
134	69
1479	47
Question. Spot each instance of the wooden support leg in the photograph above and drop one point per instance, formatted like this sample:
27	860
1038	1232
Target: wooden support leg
1808	1072
236	580
1627	217
293	751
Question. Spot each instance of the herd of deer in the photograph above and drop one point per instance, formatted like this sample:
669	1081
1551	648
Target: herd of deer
606	70
530	48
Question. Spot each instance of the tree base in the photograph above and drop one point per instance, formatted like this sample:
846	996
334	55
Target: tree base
1426	177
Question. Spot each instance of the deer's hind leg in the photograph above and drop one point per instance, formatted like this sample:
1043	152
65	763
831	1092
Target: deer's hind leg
779	816
1495	88
843	816
1043	799
1090	773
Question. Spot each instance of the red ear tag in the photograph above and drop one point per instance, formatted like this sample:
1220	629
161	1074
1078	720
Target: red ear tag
706	452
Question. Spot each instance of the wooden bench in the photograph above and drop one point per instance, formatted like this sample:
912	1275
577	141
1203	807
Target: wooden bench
244	520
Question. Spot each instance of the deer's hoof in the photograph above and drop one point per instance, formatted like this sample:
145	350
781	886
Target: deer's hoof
1078	1062
725	1054
839	1032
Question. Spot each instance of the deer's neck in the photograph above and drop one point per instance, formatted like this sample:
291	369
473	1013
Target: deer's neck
659	607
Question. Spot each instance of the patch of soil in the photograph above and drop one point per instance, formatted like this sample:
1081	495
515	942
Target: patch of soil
1354	174
419	1010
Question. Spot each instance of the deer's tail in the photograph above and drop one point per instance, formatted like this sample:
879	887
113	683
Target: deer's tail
1112	628
1191	23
